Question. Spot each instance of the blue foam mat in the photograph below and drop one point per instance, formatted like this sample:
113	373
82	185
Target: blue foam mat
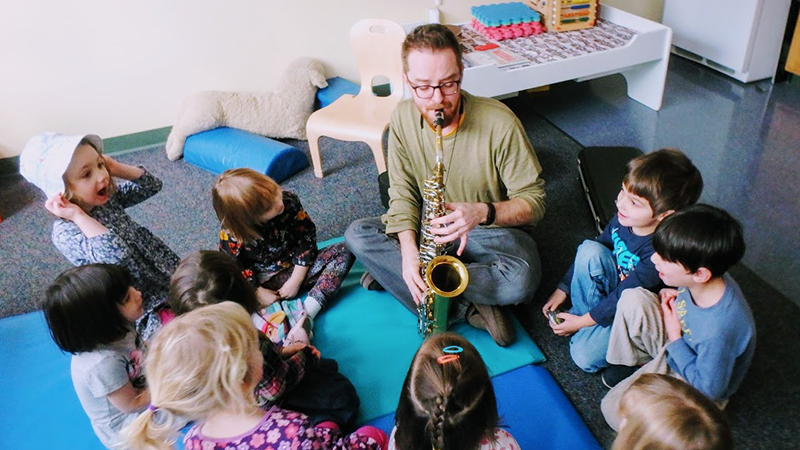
41	409
369	333
534	410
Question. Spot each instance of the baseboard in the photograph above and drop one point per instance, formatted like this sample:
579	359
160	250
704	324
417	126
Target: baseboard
114	145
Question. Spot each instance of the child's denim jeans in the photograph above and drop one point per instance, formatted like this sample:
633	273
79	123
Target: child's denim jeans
594	276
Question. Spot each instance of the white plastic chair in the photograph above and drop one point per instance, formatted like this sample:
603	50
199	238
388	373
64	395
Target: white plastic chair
364	117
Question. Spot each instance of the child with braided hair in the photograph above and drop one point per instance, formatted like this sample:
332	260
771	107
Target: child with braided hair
448	401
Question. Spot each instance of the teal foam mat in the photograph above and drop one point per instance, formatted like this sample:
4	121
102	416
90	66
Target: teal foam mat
374	338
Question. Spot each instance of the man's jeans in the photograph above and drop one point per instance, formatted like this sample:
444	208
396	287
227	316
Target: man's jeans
503	263
594	276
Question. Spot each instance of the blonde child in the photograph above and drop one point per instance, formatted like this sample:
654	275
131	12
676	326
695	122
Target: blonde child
90	311
92	225
656	185
272	237
660	412
447	401
203	366
294	375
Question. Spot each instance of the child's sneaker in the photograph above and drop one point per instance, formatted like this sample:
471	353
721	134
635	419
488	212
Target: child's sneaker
613	374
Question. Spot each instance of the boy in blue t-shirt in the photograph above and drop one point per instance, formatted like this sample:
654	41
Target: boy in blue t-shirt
656	185
702	332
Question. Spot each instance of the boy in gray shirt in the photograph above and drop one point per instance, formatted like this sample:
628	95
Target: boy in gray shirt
703	331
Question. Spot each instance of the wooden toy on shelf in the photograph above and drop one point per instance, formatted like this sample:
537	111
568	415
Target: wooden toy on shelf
566	15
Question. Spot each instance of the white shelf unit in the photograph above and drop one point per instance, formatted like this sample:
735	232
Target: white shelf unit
643	62
740	38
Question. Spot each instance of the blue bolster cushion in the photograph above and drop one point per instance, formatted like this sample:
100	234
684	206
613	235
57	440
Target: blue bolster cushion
226	148
337	87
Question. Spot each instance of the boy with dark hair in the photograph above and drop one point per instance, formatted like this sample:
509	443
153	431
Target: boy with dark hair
656	185
702	332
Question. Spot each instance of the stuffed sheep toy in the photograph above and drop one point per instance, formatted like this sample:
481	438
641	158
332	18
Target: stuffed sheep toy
282	113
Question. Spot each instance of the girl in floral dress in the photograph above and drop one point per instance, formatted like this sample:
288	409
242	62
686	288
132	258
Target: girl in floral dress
274	240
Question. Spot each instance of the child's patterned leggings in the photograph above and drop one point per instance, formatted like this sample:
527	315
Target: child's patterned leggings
325	275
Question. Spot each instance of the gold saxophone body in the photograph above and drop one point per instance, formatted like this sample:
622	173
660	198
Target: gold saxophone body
445	275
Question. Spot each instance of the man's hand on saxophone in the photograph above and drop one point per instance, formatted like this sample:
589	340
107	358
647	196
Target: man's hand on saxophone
410	258
458	222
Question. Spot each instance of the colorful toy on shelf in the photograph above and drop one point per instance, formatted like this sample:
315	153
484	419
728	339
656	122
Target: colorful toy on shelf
566	15
508	31
500	21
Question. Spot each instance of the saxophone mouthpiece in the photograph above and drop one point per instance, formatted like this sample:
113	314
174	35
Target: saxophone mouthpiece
438	121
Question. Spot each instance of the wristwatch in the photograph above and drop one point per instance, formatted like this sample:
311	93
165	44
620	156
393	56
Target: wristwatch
489	216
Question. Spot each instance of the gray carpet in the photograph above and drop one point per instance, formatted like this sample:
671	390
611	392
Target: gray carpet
764	414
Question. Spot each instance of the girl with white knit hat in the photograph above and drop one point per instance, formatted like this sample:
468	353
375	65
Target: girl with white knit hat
92	225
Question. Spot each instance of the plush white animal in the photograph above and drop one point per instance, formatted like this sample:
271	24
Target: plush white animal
282	113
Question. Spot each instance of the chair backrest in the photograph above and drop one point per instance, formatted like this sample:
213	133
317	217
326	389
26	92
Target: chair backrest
377	45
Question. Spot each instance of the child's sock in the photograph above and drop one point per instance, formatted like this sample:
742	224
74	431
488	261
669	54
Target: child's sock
312	306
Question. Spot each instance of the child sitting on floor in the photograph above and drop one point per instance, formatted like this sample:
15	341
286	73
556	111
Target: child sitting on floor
203	366
704	331
269	233
91	311
664	413
294	375
448	401
656	185
92	225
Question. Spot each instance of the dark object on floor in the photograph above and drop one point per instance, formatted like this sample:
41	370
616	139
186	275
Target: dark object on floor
383	187
492	319
613	374
602	170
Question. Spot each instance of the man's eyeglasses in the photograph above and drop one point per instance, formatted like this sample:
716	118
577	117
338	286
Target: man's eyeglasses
426	91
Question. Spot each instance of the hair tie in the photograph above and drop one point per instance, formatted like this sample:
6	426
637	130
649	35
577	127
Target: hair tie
444	359
452	349
152	408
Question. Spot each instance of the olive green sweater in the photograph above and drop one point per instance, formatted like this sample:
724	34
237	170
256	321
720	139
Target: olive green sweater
488	159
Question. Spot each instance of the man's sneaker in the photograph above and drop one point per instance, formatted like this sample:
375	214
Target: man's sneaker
613	374
492	319
369	283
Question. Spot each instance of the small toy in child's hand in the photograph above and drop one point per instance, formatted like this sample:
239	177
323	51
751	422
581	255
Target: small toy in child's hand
552	315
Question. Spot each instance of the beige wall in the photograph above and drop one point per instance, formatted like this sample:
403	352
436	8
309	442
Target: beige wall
649	9
114	67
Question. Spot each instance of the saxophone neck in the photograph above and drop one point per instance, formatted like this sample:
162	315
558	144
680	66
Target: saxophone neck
438	123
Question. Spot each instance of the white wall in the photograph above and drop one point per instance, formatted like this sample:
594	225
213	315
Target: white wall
114	67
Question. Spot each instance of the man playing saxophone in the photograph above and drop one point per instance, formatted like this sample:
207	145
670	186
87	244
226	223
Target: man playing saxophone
493	194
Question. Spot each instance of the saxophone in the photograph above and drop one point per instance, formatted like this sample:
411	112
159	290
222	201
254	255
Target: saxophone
444	275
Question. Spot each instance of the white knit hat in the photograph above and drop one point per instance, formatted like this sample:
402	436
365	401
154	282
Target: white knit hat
46	157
